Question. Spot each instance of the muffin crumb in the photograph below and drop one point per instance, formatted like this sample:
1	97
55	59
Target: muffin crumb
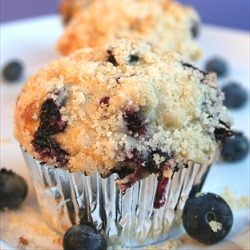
215	226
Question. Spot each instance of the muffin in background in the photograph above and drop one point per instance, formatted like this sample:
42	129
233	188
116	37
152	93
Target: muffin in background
70	8
167	25
131	133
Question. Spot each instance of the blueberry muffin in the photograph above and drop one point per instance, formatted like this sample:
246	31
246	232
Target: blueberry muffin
121	108
165	24
70	8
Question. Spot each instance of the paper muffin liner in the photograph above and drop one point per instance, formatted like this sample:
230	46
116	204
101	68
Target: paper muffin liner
129	220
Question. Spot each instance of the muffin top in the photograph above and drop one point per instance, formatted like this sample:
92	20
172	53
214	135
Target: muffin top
121	107
166	24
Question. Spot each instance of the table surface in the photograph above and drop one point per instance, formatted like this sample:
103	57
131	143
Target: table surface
24	40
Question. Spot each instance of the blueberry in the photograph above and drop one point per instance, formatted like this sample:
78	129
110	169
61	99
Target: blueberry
217	65
235	95
160	199
207	218
104	101
111	58
195	29
13	71
51	123
13	189
235	148
47	146
133	59
50	118
83	237
135	122
222	133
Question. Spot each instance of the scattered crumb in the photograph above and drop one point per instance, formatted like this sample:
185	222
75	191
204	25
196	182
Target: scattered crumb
243	240
167	245
34	116
236	202
215	225
187	240
35	234
5	141
58	241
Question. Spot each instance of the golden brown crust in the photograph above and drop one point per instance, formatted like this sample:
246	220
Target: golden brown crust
165	24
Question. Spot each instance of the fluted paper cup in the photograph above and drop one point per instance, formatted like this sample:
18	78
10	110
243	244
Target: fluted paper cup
129	220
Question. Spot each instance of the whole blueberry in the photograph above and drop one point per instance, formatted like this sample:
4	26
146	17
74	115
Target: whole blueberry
13	189
207	218
217	65
13	71
83	237
235	95
235	148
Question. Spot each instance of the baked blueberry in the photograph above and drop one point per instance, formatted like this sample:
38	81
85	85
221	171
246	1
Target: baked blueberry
160	199
51	123
111	58
235	95
207	218
195	29
217	65
49	147
50	118
13	189
135	122
133	59
235	148
104	101
83	237
13	71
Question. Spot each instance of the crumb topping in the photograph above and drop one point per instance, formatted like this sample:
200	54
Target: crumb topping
132	117
166	24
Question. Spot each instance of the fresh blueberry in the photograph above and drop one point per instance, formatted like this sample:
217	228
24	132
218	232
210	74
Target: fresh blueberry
217	65
235	95
13	189
13	71
83	237
235	148
207	218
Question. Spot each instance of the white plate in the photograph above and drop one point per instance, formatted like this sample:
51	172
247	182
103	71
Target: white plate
33	41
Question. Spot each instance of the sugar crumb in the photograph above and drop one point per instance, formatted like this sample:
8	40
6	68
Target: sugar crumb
215	225
5	141
236	202
167	245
